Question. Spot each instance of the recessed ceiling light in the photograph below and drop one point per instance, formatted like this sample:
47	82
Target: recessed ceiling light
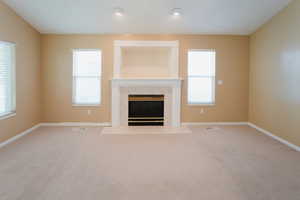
118	11
176	12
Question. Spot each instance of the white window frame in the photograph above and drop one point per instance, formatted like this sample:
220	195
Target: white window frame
74	82
13	82
213	103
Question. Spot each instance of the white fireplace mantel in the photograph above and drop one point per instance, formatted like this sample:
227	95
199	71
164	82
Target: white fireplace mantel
139	86
146	81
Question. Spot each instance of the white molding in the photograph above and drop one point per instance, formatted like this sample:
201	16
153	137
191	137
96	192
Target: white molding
7	42
116	102
9	115
18	136
148	78
176	104
126	82
174	62
117	61
213	123
283	141
90	124
10	140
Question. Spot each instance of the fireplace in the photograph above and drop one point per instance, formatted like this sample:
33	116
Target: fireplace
147	68
145	110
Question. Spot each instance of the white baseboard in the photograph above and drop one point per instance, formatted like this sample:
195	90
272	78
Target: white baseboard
283	141
76	124
293	146
213	123
10	140
2	144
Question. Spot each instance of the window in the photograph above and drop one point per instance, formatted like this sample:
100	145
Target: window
201	76
7	79
86	77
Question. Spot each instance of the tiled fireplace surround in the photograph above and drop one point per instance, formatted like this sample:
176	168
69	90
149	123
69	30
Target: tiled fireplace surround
169	86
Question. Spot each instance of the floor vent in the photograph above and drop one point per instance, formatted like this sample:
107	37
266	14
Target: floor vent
79	129
212	128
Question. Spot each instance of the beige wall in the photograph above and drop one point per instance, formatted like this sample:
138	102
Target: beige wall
146	62
14	29
275	75
232	67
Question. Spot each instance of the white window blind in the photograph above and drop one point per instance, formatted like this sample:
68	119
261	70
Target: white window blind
201	76
7	78
87	77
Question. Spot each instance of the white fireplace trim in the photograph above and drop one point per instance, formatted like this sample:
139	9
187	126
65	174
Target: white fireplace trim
172	83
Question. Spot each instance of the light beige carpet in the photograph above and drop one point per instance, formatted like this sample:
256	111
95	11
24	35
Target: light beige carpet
230	163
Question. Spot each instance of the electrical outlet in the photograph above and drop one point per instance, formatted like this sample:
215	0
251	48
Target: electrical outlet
220	82
89	112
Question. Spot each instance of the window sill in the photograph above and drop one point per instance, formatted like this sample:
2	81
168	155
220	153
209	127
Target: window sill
201	104
86	105
8	115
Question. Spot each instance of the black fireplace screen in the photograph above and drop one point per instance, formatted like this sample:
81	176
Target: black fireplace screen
146	110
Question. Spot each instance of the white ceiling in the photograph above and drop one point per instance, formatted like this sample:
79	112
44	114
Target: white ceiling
147	16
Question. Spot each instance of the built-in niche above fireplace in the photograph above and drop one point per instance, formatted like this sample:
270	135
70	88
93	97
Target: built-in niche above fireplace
145	110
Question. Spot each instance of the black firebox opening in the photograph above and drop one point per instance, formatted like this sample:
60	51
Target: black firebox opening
145	110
